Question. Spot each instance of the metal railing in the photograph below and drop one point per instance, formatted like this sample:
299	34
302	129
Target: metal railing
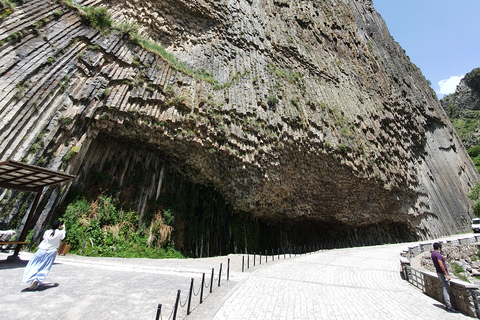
199	292
476	303
415	277
255	259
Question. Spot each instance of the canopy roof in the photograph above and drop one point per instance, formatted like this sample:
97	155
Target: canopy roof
24	177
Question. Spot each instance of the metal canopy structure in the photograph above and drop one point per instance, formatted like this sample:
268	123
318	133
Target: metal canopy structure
24	177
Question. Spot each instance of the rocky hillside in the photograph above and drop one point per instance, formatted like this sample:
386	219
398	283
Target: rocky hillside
262	123
463	108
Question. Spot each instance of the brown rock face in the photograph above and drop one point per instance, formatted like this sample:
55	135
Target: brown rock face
305	117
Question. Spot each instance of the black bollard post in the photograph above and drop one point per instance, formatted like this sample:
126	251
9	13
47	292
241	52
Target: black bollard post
159	311
273	255
190	297
228	269
176	305
243	263
254	258
248	261
220	275
211	281
201	290
260	257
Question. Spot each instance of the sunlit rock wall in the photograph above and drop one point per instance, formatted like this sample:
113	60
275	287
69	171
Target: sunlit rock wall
315	117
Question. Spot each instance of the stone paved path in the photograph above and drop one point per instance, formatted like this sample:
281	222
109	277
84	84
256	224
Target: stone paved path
354	283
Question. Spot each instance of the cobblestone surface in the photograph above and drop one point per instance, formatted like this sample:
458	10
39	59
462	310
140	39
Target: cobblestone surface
354	283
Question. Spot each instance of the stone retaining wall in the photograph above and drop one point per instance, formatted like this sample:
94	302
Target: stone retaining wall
463	295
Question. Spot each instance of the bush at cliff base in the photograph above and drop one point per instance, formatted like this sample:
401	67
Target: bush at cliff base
99	228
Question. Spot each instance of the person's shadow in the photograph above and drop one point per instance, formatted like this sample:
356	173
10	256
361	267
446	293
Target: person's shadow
42	287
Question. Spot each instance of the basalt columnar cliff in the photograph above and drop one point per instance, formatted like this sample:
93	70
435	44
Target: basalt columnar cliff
272	122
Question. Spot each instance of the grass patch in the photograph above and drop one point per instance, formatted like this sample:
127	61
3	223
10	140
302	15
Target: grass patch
100	18
177	65
457	270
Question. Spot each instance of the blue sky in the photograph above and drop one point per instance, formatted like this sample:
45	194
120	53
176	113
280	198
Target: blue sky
441	37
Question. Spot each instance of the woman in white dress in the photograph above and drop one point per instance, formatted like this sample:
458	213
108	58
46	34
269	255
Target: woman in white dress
38	267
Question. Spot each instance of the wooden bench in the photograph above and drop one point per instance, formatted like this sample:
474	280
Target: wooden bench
21	243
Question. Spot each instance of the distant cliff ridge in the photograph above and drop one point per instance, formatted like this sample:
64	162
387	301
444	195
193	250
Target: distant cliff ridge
272	122
463	108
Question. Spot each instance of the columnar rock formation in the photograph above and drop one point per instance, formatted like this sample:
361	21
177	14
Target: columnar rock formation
306	117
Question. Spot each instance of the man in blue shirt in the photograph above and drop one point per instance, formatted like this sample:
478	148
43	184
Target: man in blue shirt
442	273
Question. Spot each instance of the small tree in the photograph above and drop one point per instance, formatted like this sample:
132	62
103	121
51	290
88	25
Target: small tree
475	196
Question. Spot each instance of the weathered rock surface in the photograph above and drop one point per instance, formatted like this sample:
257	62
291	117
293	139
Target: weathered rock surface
319	126
464	104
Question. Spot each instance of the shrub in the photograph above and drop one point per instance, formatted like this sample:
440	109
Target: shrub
474	151
272	100
98	17
100	228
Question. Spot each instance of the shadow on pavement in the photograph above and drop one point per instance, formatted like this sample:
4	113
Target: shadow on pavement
42	287
5	264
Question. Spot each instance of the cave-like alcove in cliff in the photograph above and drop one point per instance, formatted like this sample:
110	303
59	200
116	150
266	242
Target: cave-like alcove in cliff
147	180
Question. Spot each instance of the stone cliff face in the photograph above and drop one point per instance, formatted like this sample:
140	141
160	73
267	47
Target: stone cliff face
305	117
463	107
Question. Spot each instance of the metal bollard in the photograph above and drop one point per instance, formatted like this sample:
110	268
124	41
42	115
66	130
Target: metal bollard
254	258
248	261
228	270
220	275
201	290
243	263
190	297
273	255
176	305
159	311
211	281
260	257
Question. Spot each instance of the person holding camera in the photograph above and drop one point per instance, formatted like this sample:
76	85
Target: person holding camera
39	266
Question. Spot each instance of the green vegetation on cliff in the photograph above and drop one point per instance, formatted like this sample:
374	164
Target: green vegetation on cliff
463	109
99	228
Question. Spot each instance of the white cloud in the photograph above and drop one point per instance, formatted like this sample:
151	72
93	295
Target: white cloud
449	85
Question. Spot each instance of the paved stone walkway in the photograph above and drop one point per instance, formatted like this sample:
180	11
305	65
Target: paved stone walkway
354	283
